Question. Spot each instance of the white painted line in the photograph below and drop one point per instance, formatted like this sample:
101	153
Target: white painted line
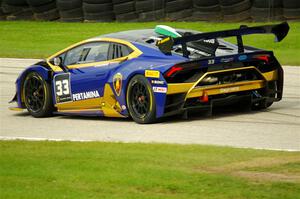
43	139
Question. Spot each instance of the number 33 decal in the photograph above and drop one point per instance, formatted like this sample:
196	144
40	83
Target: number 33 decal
62	87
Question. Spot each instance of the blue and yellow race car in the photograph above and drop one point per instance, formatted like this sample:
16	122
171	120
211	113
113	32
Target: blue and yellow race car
153	73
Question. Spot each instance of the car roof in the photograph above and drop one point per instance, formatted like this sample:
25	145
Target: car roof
139	36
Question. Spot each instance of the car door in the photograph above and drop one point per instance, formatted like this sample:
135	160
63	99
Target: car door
88	70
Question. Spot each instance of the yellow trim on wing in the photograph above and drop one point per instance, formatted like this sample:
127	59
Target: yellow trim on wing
136	52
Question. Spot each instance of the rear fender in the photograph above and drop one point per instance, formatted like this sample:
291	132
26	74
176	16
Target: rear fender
158	86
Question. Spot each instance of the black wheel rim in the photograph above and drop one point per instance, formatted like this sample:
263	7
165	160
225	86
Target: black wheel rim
34	94
140	99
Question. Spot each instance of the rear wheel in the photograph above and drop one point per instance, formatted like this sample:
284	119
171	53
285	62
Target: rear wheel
37	95
140	100
265	103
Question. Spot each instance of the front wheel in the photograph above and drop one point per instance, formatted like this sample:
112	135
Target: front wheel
140	100
37	95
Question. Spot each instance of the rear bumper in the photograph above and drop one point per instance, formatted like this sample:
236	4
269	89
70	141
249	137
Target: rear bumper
187	96
238	99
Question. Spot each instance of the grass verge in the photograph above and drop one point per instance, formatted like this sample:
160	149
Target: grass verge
41	39
118	170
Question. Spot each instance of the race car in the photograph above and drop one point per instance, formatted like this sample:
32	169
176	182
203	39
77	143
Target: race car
149	74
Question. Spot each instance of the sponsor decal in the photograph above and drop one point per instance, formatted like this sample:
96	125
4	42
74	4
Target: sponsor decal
62	88
160	89
211	41
211	61
227	59
117	83
160	82
243	57
230	89
152	73
85	95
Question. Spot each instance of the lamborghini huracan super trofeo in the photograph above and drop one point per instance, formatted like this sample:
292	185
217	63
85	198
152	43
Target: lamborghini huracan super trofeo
152	73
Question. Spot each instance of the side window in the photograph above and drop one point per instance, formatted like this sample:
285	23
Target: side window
86	53
118	50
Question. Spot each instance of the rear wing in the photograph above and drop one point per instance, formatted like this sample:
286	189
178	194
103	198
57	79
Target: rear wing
279	30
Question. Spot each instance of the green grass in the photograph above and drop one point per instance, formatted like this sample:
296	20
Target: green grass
41	39
118	170
293	167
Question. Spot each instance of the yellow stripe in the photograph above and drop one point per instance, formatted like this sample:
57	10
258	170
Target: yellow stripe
226	88
108	104
270	76
78	111
15	109
82	104
136	52
187	87
193	91
179	88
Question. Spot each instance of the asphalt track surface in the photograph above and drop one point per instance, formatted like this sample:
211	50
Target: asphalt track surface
276	128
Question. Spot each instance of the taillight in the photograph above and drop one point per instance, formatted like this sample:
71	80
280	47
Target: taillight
184	72
173	70
265	58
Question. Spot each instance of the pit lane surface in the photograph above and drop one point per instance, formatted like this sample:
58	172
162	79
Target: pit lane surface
275	128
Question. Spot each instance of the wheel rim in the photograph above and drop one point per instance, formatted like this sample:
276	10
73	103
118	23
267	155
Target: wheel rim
34	94
140	99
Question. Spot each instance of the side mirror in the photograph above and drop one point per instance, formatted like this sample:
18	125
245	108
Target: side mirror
57	61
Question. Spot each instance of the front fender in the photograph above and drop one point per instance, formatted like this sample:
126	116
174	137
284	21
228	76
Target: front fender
41	70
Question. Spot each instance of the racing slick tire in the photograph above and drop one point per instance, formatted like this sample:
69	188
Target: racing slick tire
97	1
236	8
71	14
50	15
149	5
180	15
96	8
207	3
124	8
37	95
38	2
177	5
44	8
63	5
140	100
229	2
267	3
127	17
214	8
16	2
152	15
